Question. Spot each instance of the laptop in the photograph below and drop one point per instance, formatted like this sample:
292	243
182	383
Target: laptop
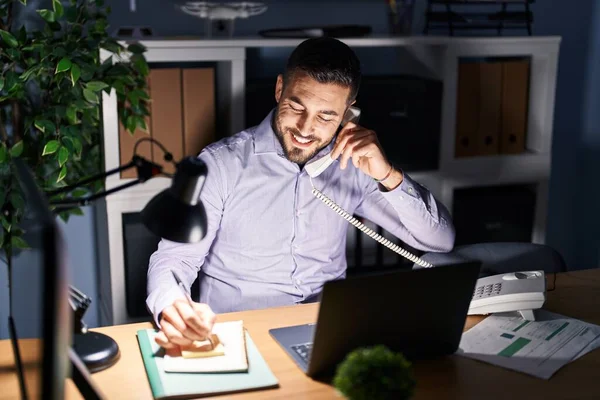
420	313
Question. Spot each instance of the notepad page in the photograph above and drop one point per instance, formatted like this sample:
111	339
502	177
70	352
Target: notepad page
235	358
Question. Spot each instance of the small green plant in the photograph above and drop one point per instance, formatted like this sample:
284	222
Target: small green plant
374	373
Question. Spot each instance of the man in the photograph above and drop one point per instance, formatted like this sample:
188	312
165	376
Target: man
270	242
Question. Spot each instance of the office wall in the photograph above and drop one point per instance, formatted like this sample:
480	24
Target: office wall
587	193
571	219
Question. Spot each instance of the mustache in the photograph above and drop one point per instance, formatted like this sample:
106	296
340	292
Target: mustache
297	133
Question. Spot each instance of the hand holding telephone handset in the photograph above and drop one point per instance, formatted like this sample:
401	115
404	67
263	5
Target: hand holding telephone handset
315	167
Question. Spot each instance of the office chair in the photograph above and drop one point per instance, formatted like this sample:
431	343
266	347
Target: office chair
502	257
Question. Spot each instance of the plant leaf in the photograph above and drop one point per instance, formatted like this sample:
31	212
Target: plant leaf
72	114
131	124
48	15
1	82
17	149
76	211
136	48
79	193
141	64
50	147
2	154
62	173
63	65
18	243
90	96
17	201
77	145
45	126
7	226
75	73
24	2
142	124
9	38
142	94
63	156
58	8
96	86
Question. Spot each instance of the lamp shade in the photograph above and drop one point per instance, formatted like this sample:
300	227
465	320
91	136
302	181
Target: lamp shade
176	213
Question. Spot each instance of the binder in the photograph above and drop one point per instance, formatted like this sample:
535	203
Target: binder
490	107
198	109
166	111
127	143
467	109
515	97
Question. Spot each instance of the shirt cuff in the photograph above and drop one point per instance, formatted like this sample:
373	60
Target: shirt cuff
408	187
159	300
413	194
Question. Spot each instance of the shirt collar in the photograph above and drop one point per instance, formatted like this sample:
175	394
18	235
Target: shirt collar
266	142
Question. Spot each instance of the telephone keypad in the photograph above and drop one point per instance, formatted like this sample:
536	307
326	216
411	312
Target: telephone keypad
487	290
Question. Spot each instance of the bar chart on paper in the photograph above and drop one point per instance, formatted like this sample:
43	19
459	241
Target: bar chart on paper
538	348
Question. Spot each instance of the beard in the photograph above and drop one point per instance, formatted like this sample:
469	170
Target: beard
291	152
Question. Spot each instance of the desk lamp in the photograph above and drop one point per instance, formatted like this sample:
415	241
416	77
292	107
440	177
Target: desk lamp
175	214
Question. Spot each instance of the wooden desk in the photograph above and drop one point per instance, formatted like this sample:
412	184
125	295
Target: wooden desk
577	295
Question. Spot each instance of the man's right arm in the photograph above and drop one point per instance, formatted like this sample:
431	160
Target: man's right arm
186	258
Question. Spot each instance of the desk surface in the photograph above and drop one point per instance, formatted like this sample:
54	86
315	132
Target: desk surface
577	295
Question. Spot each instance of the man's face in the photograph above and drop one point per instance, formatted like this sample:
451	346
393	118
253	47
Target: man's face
308	115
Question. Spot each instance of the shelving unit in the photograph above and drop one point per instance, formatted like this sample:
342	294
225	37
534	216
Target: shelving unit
478	15
438	56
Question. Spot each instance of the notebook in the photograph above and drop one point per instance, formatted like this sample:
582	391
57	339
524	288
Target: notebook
167	385
234	359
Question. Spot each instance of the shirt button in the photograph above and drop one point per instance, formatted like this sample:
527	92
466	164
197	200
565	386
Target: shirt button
299	281
410	190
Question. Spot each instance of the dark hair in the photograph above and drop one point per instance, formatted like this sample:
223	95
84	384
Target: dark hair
326	60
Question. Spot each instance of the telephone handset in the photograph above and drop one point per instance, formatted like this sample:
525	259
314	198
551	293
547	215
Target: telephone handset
314	168
522	291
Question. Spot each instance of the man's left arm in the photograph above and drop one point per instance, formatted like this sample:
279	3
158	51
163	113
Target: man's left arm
391	199
409	211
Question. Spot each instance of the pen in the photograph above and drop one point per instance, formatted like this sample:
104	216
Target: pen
189	300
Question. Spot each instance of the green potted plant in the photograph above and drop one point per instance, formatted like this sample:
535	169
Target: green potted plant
51	84
374	373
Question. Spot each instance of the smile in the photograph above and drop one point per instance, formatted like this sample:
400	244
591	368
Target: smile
301	141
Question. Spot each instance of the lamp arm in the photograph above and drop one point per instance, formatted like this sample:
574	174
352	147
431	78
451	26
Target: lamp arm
87	200
93	178
145	171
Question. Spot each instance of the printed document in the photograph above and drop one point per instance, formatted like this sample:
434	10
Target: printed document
538	348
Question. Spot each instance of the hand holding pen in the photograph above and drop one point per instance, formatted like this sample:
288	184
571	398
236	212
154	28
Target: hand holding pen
184	321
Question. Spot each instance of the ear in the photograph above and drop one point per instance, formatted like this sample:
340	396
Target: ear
278	87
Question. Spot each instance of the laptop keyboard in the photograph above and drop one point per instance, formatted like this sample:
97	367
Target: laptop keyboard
303	350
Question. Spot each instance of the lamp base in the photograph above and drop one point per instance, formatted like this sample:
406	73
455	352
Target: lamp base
96	350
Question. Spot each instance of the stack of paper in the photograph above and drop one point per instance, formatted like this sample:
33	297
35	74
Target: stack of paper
538	348
235	358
